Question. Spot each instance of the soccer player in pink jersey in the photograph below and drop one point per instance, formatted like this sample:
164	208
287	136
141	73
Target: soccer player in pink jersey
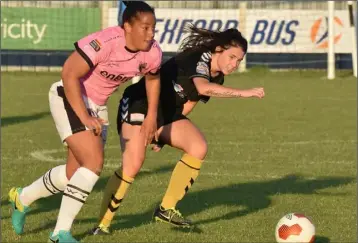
101	62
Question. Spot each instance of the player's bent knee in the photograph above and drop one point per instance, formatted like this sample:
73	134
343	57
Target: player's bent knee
198	150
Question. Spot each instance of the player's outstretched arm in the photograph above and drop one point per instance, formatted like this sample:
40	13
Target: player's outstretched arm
206	88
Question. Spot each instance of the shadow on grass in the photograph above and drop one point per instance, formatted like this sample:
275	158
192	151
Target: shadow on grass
321	239
250	196
12	120
53	203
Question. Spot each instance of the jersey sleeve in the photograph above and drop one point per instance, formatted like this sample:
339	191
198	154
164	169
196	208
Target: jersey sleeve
155	59
92	47
200	67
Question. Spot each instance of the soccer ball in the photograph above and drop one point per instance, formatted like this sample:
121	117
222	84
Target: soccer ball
295	227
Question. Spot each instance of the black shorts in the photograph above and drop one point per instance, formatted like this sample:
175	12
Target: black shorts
134	109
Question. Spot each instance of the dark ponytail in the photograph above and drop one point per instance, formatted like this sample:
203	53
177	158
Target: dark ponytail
208	40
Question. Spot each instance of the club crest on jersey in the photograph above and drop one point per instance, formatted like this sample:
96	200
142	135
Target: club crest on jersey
202	68
142	66
95	44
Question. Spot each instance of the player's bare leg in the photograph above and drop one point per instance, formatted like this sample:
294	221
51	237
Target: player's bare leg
133	155
184	135
88	151
52	182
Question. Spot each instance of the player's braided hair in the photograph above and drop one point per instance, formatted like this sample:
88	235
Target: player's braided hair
133	8
208	40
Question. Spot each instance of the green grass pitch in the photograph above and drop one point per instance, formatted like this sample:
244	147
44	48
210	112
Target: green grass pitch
293	151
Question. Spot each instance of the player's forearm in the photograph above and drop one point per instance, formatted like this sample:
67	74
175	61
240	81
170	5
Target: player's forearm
74	96
188	107
215	90
153	91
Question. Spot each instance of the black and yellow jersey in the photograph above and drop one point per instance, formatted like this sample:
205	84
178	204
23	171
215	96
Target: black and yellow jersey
176	75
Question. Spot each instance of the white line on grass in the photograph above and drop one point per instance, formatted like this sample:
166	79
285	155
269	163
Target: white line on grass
308	142
117	161
47	156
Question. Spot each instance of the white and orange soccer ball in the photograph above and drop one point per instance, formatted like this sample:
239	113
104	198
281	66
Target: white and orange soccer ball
295	227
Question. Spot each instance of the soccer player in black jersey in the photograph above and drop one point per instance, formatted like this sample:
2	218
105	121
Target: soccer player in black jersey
195	74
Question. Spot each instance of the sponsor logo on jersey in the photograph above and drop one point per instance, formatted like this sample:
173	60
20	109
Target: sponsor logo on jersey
96	45
114	77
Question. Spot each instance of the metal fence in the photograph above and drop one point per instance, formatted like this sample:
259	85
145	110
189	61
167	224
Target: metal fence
30	59
319	5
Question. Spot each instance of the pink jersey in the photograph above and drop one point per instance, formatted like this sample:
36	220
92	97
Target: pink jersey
112	63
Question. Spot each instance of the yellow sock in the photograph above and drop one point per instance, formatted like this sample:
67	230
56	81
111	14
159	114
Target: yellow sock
183	177
114	193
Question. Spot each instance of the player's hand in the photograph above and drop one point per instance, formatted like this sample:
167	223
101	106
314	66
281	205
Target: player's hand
157	147
255	92
149	128
94	124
